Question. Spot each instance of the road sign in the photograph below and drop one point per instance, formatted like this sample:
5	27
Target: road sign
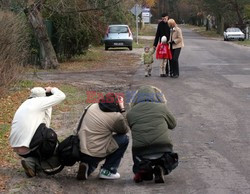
136	10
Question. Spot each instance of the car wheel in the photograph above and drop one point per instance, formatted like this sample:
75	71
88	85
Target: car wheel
106	48
225	39
130	48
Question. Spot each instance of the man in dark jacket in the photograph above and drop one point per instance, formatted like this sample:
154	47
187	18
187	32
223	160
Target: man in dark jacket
162	30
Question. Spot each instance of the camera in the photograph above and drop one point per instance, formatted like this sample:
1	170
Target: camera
48	93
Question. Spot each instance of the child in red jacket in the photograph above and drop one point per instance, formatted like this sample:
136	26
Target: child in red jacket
163	53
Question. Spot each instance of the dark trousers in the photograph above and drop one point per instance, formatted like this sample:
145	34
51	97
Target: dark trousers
168	70
113	160
174	63
168	161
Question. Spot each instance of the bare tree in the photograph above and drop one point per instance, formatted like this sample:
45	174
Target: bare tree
48	55
14	47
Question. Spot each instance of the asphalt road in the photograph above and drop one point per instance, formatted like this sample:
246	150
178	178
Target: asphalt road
210	101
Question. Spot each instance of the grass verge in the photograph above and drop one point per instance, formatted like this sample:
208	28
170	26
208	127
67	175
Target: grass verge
244	43
86	61
147	30
202	31
142	43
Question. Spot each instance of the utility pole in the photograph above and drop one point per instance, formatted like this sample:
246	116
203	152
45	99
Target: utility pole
136	19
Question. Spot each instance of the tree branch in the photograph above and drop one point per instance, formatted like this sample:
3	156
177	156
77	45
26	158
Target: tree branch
83	10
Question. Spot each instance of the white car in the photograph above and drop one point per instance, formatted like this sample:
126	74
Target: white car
234	33
118	36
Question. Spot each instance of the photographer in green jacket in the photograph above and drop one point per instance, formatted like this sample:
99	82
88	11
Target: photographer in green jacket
150	121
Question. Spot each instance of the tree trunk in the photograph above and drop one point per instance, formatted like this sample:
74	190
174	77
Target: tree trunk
220	24
240	19
48	55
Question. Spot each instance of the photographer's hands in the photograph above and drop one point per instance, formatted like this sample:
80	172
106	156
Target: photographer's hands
48	89
121	103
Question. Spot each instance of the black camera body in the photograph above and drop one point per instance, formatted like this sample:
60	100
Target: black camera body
48	94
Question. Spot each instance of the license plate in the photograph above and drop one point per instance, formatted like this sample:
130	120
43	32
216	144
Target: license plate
118	43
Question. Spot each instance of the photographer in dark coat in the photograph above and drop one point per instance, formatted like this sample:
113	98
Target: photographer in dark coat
162	30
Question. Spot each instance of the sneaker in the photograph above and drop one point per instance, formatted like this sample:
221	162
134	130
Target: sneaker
149	74
146	75
159	174
82	171
27	169
106	174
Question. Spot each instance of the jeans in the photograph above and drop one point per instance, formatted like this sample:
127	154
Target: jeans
113	160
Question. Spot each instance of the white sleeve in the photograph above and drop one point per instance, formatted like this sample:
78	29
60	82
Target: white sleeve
49	101
47	117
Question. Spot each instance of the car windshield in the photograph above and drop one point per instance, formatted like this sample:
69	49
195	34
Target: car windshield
233	30
118	29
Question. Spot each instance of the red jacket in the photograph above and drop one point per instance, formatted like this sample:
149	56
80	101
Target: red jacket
163	51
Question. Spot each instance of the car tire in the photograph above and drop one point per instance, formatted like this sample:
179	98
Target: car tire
106	48
130	48
225	39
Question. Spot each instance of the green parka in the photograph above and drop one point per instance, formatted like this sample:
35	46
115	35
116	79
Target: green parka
150	121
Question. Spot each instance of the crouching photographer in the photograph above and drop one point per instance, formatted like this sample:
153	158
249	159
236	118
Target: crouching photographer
30	136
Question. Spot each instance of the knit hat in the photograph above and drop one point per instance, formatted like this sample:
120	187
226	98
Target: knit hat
37	92
163	39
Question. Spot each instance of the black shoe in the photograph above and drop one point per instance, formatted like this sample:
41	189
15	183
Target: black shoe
146	75
175	76
82	171
147	176
161	75
149	74
159	174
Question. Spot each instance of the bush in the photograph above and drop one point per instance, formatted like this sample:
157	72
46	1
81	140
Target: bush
14	47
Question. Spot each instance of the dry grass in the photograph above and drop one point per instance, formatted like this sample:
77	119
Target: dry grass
14	47
148	30
202	31
244	43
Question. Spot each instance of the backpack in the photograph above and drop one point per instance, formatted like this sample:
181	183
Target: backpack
43	143
69	149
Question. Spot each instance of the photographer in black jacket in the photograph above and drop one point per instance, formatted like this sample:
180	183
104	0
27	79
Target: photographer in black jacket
162	30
